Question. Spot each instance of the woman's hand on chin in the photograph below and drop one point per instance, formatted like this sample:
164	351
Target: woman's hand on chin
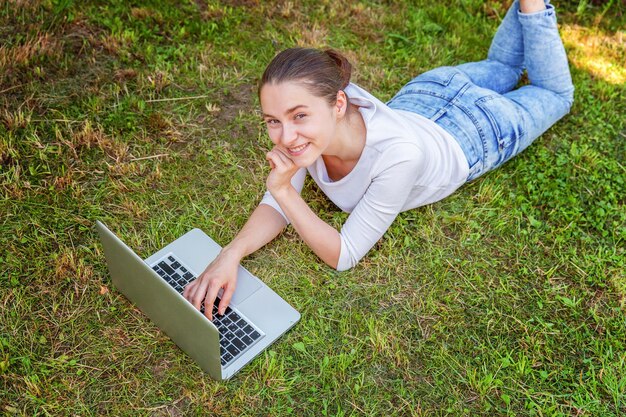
283	169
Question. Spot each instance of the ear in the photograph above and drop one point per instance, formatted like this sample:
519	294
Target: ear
341	105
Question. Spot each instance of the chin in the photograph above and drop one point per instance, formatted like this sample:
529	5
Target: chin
304	162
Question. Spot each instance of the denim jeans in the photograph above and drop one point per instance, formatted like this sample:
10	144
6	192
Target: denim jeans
477	102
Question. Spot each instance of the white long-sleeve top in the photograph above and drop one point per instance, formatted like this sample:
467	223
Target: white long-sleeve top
408	161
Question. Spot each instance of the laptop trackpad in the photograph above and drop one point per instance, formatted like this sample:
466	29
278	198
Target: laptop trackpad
247	284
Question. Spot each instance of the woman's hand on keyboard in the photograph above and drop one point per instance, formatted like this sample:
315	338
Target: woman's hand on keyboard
221	273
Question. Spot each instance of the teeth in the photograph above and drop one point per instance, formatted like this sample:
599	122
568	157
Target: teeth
297	148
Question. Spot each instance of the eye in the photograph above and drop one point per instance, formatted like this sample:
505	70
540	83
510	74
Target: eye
299	116
272	122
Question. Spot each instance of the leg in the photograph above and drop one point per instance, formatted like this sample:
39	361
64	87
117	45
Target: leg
505	61
550	95
544	55
504	65
509	123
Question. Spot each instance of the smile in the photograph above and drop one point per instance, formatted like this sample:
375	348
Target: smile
298	150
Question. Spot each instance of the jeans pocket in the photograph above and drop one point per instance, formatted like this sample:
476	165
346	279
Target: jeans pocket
435	82
428	105
503	117
442	76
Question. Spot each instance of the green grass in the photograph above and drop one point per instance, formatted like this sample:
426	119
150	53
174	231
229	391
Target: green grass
507	298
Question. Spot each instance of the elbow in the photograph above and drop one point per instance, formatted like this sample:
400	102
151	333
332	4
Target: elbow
336	264
345	264
347	259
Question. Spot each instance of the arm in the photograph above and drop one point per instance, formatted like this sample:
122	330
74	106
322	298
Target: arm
322	238
378	207
381	203
264	225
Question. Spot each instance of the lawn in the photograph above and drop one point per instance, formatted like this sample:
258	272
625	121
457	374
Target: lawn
507	298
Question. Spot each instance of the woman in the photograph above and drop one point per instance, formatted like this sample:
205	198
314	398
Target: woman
375	160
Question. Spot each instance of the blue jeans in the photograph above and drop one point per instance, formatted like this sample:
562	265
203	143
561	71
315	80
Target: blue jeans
476	102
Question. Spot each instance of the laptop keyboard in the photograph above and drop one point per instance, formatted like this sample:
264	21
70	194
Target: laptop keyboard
236	334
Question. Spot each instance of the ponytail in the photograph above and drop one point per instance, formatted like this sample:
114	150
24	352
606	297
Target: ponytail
345	68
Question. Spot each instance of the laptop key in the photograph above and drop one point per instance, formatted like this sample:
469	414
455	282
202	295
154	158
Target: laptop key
240	333
233	350
248	329
241	323
175	265
234	317
240	345
247	340
227	357
255	335
166	267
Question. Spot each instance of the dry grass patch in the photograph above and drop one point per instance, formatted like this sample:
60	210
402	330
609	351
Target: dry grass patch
40	45
90	136
310	36
144	13
68	265
14	120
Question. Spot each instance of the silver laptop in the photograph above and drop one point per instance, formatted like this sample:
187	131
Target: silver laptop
256	316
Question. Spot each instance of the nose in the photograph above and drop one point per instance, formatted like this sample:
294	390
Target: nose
289	134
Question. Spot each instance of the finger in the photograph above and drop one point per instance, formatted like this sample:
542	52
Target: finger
229	290
284	156
198	293
211	295
279	159
272	157
189	289
282	153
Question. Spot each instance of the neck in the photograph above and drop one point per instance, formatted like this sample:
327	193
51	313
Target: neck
347	147
349	138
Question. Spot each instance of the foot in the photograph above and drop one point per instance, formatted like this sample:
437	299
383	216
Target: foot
531	6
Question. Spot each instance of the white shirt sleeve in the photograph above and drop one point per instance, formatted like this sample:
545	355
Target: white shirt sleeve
378	208
297	181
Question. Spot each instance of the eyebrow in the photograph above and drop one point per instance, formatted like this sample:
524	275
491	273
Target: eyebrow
291	110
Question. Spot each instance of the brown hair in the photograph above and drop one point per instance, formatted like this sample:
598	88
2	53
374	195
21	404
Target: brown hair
324	73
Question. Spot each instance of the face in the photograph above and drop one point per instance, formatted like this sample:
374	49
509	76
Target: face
299	123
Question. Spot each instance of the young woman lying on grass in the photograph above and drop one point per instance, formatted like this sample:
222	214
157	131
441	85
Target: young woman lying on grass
374	160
